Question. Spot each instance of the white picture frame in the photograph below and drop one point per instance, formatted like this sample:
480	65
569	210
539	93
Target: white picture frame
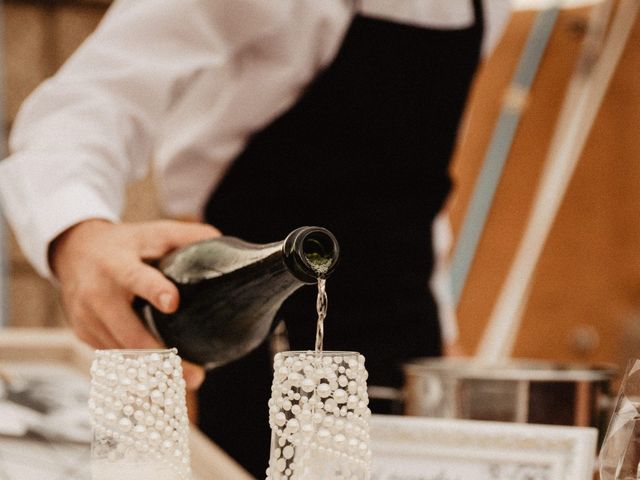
419	448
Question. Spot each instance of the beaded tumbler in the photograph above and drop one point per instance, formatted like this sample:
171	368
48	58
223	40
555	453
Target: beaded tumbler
139	416
319	417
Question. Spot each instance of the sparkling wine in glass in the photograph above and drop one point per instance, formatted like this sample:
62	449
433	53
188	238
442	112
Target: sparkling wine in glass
319	417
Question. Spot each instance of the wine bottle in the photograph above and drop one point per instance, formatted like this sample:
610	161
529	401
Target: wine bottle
230	291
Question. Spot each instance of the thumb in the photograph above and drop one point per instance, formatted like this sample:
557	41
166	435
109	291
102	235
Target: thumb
149	283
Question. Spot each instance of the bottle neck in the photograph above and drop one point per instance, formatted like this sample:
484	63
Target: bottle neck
310	253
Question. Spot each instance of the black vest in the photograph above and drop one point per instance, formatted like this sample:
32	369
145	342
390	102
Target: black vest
364	153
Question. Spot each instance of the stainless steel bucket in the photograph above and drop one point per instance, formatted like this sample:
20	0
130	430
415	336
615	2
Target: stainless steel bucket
524	391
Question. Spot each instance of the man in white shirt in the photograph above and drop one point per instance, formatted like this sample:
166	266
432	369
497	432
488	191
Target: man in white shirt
337	113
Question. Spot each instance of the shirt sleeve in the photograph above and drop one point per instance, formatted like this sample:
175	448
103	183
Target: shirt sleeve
90	129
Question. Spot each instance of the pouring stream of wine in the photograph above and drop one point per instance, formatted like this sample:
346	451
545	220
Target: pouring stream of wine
321	307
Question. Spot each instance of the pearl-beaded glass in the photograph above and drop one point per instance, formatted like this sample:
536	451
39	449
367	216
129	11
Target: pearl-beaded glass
319	417
139	416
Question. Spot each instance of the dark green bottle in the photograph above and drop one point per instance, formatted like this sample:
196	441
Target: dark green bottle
230	291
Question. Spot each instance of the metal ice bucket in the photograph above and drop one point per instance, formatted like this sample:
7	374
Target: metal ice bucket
526	391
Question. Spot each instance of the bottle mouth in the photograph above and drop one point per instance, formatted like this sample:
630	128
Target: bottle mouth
317	252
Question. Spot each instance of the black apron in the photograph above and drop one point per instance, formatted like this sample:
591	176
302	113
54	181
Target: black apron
364	153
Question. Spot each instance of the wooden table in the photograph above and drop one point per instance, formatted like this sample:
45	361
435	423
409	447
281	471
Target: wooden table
59	346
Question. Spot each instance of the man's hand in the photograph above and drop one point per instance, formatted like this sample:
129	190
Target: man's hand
100	267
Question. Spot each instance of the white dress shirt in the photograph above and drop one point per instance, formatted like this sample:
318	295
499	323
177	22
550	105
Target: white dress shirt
176	86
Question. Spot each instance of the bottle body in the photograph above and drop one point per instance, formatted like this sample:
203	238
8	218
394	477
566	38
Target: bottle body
230	291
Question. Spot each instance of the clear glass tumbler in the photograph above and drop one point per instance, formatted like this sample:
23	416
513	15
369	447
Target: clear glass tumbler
620	451
319	417
139	417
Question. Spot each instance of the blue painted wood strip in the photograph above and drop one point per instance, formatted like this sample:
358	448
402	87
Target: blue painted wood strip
498	150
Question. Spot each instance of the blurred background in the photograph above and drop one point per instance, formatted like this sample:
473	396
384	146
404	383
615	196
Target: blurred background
584	299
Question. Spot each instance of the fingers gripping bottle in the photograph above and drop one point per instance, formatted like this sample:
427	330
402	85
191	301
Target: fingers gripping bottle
230	291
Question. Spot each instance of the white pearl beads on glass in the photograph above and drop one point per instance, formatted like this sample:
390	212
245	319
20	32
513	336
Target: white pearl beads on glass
138	414
319	417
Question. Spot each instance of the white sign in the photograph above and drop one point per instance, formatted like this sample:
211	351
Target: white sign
418	448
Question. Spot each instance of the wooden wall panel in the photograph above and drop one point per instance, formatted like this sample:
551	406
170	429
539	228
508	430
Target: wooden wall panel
25	63
586	288
73	23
